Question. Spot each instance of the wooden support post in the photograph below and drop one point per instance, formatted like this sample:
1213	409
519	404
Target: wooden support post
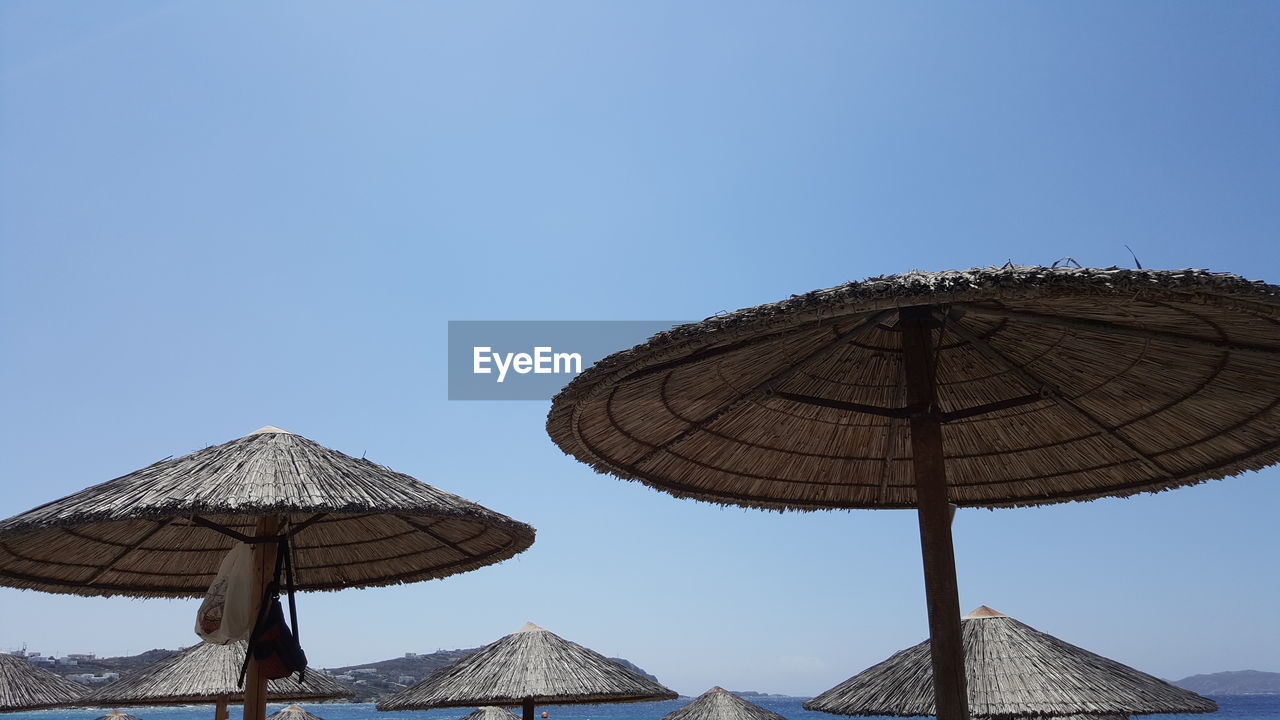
264	565
930	471
528	708
220	709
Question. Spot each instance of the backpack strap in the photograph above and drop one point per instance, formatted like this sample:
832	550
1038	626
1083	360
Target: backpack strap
293	608
270	592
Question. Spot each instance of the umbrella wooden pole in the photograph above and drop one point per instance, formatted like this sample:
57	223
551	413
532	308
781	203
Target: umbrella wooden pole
264	565
930	471
220	710
528	708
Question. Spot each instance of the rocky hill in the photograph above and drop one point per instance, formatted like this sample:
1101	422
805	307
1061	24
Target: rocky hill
1233	682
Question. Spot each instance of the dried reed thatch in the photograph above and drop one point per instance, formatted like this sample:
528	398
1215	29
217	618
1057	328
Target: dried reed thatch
490	712
353	523
1053	384
720	704
529	664
117	715
206	673
24	686
293	712
1012	671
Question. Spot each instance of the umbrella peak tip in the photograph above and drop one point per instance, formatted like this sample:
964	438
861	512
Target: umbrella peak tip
530	627
268	430
982	611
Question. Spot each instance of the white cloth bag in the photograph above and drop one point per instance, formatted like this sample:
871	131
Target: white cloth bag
224	616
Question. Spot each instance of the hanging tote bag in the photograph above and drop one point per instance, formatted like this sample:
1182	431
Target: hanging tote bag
226	614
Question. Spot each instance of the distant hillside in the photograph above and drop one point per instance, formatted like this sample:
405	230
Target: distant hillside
1234	682
635	668
370	681
367	681
121	665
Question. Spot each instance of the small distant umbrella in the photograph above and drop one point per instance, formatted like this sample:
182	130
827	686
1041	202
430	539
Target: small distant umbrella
24	686
117	715
720	704
490	712
1013	670
990	387
293	712
206	673
162	531
530	666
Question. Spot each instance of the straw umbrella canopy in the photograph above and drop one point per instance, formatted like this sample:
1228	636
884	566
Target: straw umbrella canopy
489	712
117	715
24	686
720	704
162	531
988	387
207	673
1013	671
530	666
293	712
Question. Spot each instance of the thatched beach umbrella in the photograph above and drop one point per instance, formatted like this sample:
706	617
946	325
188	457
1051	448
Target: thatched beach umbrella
24	686
207	673
162	531
292	712
490	712
117	715
529	667
1013	671
720	704
989	387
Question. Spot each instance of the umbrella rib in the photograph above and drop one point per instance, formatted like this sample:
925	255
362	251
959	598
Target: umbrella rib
766	385
120	556
714	352
891	435
1035	384
1110	328
440	539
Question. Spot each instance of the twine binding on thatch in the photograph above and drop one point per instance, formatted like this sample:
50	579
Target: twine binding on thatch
1012	670
1054	384
529	664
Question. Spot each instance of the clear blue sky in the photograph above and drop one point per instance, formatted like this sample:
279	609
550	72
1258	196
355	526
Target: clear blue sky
217	216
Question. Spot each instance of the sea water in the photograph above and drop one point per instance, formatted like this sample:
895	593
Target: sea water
1231	707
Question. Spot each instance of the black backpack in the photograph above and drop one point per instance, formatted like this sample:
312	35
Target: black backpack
272	644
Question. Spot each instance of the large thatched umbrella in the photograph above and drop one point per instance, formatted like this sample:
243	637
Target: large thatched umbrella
162	531
292	712
529	667
1013	671
24	686
206	673
982	388
720	704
